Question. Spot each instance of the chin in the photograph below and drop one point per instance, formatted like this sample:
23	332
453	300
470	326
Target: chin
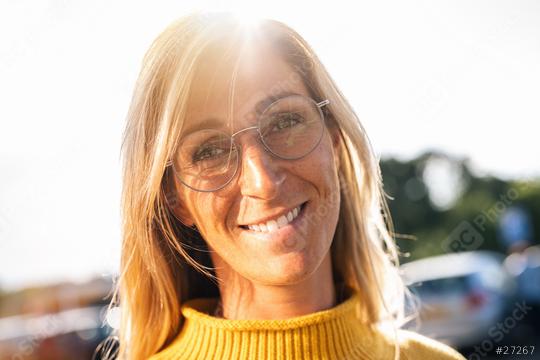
288	269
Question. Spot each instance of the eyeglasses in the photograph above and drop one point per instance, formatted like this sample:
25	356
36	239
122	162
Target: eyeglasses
289	128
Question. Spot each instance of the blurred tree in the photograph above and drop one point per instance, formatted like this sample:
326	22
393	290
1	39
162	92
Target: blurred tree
434	194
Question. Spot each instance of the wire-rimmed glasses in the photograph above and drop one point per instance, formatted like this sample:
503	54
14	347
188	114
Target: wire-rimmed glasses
289	128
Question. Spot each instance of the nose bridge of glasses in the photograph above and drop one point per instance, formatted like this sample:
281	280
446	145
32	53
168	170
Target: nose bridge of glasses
239	132
243	130
249	143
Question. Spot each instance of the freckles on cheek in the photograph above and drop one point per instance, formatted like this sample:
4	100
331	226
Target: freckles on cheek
327	178
323	163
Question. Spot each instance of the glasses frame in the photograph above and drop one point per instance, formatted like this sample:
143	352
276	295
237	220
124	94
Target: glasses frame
319	106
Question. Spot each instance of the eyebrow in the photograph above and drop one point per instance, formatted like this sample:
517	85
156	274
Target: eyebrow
215	123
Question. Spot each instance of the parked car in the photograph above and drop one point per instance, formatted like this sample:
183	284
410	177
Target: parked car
461	295
70	334
525	266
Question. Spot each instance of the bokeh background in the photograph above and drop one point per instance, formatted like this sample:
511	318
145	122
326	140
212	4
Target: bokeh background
447	90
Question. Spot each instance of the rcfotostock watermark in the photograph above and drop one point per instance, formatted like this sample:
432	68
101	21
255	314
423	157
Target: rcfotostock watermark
497	332
46	327
466	236
293	80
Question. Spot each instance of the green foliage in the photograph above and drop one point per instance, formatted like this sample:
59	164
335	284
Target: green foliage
481	202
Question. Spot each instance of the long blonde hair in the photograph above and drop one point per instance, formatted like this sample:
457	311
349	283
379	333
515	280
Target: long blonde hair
160	267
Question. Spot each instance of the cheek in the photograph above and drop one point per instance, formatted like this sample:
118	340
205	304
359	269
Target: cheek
200	207
320	167
325	179
210	212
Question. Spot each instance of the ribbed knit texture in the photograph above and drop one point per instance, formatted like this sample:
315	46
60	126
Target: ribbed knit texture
329	334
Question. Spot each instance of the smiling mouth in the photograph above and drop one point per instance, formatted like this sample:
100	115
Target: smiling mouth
275	224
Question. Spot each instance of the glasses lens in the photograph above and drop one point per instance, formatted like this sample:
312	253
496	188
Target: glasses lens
291	127
207	160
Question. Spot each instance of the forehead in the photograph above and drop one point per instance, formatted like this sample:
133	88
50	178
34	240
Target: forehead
231	93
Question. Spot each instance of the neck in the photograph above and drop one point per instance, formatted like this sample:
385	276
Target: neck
243	299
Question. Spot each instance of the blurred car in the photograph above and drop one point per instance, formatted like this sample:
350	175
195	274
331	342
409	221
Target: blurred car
525	266
461	295
69	334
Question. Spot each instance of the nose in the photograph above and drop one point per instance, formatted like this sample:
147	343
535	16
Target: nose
261	174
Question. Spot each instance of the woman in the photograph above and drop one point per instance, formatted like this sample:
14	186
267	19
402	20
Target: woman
253	210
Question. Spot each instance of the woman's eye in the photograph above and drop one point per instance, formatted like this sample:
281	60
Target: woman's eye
286	121
206	152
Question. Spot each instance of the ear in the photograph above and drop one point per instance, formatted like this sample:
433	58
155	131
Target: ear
174	202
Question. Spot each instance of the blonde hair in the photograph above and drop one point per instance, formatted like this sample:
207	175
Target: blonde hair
159	267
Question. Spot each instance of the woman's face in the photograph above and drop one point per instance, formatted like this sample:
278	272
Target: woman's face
265	186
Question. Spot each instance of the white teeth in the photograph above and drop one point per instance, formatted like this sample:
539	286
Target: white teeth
273	225
282	221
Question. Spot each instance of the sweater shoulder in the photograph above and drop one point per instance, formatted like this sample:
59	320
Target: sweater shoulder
416	346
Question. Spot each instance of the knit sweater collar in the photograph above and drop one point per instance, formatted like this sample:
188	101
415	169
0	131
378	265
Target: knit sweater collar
335	333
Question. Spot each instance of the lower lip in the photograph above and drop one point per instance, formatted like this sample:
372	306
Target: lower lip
284	234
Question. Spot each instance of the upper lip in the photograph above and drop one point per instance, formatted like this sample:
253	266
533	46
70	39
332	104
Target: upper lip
271	217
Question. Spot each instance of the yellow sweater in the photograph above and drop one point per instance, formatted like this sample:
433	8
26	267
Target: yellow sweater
335	333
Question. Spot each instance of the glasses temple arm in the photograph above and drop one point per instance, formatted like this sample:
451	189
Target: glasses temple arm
322	103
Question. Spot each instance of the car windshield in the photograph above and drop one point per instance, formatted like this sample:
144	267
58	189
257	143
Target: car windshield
442	286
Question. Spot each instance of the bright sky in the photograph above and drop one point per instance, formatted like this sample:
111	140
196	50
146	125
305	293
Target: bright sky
459	76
